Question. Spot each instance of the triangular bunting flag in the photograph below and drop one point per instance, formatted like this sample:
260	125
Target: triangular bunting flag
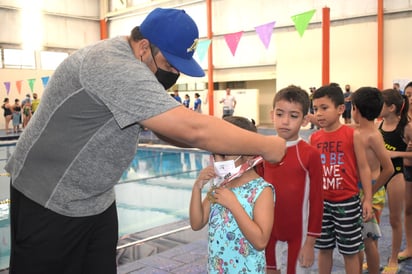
18	85
232	40
265	33
302	21
31	84
202	48
7	85
45	80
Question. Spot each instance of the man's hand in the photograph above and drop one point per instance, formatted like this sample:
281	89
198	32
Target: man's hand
275	149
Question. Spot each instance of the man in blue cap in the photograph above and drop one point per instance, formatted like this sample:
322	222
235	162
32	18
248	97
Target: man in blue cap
84	135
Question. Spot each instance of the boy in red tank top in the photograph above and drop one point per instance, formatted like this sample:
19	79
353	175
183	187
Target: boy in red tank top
342	157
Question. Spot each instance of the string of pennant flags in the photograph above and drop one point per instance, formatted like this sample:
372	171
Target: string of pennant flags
30	82
301	22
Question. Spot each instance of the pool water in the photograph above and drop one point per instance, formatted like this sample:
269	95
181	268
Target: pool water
155	190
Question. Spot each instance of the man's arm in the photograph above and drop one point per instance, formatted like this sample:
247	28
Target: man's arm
183	126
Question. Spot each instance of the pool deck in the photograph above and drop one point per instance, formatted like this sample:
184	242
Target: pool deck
185	251
192	257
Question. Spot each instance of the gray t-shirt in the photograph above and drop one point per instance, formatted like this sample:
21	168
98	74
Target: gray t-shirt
85	132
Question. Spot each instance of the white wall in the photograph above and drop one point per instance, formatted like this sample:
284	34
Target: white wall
291	58
68	24
247	103
353	54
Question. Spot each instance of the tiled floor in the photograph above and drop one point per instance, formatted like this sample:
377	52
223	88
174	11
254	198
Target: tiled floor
192	257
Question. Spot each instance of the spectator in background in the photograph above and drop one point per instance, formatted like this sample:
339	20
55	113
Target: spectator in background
26	112
16	109
8	114
312	90
198	103
176	96
347	114
26	99
397	87
229	103
35	103
186	101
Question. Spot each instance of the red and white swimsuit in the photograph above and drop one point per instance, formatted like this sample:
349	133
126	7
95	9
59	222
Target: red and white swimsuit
299	201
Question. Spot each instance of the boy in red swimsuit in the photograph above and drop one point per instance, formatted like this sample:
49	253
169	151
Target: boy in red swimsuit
298	185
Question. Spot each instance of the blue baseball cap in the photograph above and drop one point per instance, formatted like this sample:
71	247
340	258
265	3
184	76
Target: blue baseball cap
175	33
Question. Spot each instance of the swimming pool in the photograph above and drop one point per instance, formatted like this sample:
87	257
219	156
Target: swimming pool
155	190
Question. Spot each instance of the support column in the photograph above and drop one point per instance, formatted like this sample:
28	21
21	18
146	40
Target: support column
380	44
325	46
104	8
210	93
103	29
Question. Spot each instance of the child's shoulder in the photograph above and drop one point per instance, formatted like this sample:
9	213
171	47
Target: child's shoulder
304	144
342	130
305	150
368	129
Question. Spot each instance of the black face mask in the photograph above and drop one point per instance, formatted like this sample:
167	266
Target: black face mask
166	78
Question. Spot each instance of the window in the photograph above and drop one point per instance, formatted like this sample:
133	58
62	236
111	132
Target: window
200	86
49	60
236	85
17	58
181	87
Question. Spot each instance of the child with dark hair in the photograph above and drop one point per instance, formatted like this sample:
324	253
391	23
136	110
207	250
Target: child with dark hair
186	101
238	208
397	133
367	104
342	157
407	161
8	114
298	184
197	106
16	109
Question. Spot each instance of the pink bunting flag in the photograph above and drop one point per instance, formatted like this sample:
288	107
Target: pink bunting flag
265	33
31	84
202	48
232	41
18	85
302	21
7	85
